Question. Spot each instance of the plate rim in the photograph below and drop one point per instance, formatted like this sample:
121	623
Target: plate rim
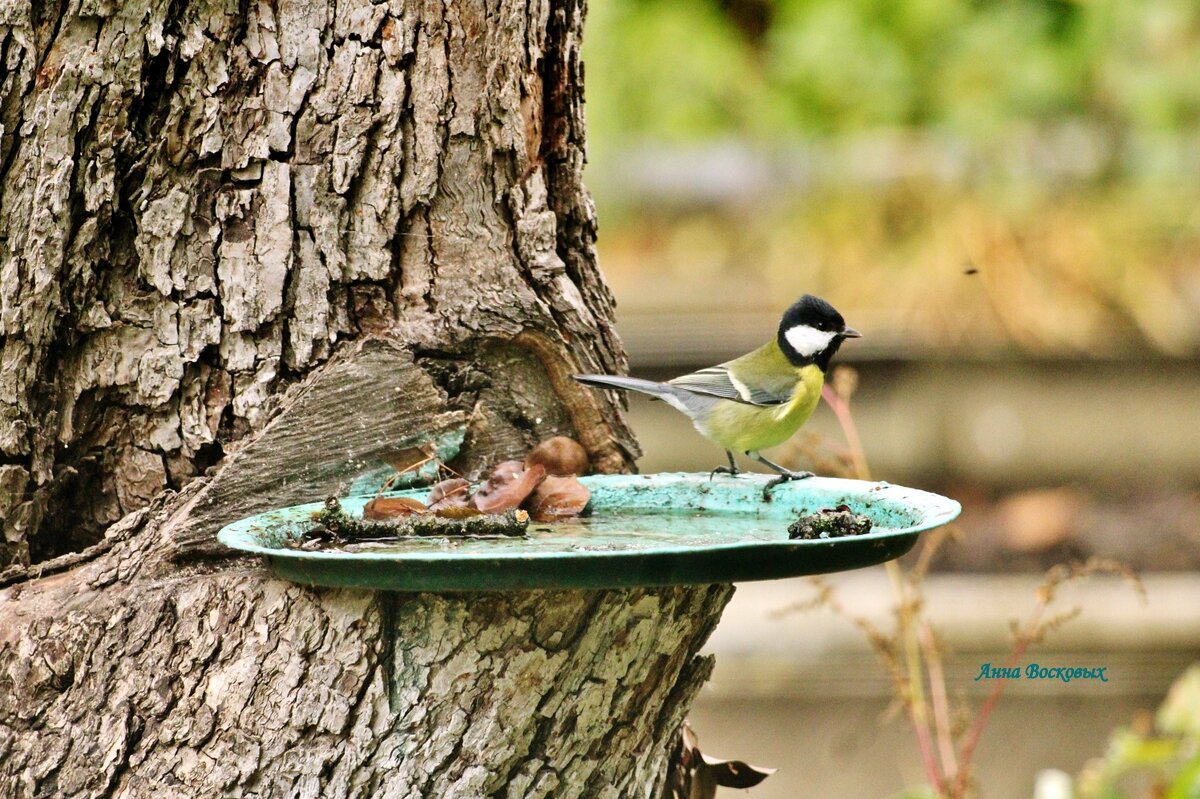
937	511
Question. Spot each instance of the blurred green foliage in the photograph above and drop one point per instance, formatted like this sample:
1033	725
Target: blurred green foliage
1158	759
682	70
958	174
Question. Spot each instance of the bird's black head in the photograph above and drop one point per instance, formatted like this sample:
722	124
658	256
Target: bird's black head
811	332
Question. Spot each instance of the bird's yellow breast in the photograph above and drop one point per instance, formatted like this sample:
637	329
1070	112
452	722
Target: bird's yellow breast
740	427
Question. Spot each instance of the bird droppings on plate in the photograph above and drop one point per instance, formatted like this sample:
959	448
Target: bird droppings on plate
829	523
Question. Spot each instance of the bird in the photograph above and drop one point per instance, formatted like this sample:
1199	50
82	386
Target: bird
760	399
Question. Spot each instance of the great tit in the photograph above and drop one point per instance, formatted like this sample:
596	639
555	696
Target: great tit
760	399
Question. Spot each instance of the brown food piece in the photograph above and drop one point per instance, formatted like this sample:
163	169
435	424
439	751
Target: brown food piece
508	486
561	456
558	498
393	507
452	493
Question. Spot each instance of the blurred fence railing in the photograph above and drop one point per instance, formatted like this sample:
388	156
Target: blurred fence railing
733	170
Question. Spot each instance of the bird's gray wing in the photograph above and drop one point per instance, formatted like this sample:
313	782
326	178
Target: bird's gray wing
718	381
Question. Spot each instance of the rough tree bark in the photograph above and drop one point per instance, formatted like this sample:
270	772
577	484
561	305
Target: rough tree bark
247	250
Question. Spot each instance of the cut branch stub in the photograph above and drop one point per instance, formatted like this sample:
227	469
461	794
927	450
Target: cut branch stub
200	202
342	422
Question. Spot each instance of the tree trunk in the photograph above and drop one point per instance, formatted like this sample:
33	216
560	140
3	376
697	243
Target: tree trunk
248	251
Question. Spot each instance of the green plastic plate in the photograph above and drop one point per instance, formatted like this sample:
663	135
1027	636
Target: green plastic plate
658	529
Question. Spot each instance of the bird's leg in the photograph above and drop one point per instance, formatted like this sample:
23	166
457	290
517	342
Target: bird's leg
784	474
731	469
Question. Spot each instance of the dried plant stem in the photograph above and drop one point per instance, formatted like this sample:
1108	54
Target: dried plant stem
841	409
391	481
922	658
1031	632
941	705
914	684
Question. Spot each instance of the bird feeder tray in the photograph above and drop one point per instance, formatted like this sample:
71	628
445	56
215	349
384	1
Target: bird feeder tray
642	530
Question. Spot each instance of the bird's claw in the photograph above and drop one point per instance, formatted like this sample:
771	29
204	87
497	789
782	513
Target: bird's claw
783	478
729	470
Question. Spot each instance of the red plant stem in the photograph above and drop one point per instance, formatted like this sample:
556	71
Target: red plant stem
971	740
926	747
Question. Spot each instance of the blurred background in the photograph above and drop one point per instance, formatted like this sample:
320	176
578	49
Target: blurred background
1004	196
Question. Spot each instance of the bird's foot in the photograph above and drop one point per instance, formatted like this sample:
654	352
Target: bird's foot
730	470
784	477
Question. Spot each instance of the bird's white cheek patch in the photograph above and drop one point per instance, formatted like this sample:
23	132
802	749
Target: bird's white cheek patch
808	341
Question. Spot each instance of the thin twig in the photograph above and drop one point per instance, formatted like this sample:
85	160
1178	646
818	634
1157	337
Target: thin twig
921	654
910	680
391	481
841	409
941	706
914	676
930	544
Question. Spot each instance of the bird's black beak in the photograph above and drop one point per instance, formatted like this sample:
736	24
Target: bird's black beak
849	332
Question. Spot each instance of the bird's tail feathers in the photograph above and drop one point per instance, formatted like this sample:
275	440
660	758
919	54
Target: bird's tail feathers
627	383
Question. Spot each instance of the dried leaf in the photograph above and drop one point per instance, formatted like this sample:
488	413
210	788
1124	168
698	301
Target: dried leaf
506	470
557	498
694	775
452	493
560	455
508	486
393	507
